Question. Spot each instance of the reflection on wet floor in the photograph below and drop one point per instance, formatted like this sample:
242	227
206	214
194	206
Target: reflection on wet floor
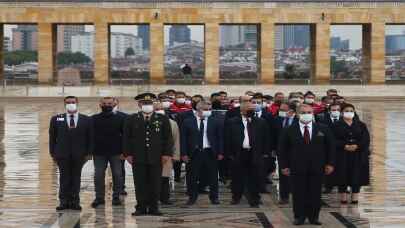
28	181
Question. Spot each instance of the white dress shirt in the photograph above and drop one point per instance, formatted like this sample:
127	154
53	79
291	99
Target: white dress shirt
206	143
259	113
75	118
302	127
246	142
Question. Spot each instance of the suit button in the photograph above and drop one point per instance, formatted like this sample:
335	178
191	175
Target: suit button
147	145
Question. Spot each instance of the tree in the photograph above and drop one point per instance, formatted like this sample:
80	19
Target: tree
290	71
68	58
129	52
18	57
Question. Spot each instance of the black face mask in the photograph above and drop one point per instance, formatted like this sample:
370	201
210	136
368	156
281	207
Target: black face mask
106	109
250	113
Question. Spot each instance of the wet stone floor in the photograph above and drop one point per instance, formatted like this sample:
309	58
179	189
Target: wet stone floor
29	180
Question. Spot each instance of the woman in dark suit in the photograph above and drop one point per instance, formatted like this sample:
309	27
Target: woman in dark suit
352	154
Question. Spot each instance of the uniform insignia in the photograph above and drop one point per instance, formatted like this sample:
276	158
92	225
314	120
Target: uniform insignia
60	119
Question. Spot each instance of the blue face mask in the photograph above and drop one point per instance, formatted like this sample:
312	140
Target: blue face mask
259	107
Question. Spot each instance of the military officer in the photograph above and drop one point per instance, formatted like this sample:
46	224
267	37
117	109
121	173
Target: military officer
148	143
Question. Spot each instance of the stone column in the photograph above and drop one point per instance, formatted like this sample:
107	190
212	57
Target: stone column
157	52
212	43
1	51
267	53
46	52
101	53
320	39
374	40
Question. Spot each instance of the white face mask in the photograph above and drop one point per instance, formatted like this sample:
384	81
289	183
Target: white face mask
206	114
160	112
335	114
187	102
71	107
166	104
115	109
147	109
181	100
236	105
306	118
309	100
282	114
348	115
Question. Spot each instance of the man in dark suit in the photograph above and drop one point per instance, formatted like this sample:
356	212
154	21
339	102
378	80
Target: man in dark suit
70	145
285	118
116	111
269	163
307	152
329	118
108	130
247	141
202	146
148	143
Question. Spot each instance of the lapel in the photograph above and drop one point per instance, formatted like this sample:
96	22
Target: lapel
315	130
194	123
241	129
67	124
297	131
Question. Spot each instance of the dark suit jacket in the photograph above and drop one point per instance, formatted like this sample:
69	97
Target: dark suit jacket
134	138
303	159
190	136
271	134
66	143
278	129
234	137
326	120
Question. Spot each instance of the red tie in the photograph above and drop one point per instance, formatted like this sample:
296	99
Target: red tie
307	138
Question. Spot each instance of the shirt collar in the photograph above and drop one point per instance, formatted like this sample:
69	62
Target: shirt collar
303	125
76	114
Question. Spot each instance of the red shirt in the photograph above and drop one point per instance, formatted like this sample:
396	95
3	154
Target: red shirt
273	109
178	108
318	108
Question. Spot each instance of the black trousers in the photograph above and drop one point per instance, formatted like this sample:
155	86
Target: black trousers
165	189
147	180
177	169
204	162
246	175
284	185
306	191
123	174
70	172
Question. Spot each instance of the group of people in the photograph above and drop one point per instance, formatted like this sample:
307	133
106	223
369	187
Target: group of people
314	143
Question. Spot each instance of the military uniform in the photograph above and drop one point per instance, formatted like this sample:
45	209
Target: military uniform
147	137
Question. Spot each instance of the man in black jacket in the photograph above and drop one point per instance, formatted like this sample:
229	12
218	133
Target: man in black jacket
307	152
108	131
247	141
70	145
202	146
148	143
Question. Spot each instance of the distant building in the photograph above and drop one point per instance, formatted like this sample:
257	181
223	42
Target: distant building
394	43
288	36
232	35
336	43
25	37
64	34
144	34
120	42
7	45
84	43
179	34
279	37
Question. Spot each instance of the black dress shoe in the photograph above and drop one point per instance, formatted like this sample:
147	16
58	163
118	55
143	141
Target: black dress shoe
139	212
116	201
315	222
155	212
343	201
283	202
123	193
62	206
190	202
355	202
254	205
235	202
299	221
215	202
76	207
97	203
167	202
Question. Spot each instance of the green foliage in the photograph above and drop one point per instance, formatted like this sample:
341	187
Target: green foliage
18	57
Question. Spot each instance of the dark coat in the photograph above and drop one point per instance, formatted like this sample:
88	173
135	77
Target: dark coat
160	138
190	136
352	168
303	159
73	143
234	136
278	129
108	132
